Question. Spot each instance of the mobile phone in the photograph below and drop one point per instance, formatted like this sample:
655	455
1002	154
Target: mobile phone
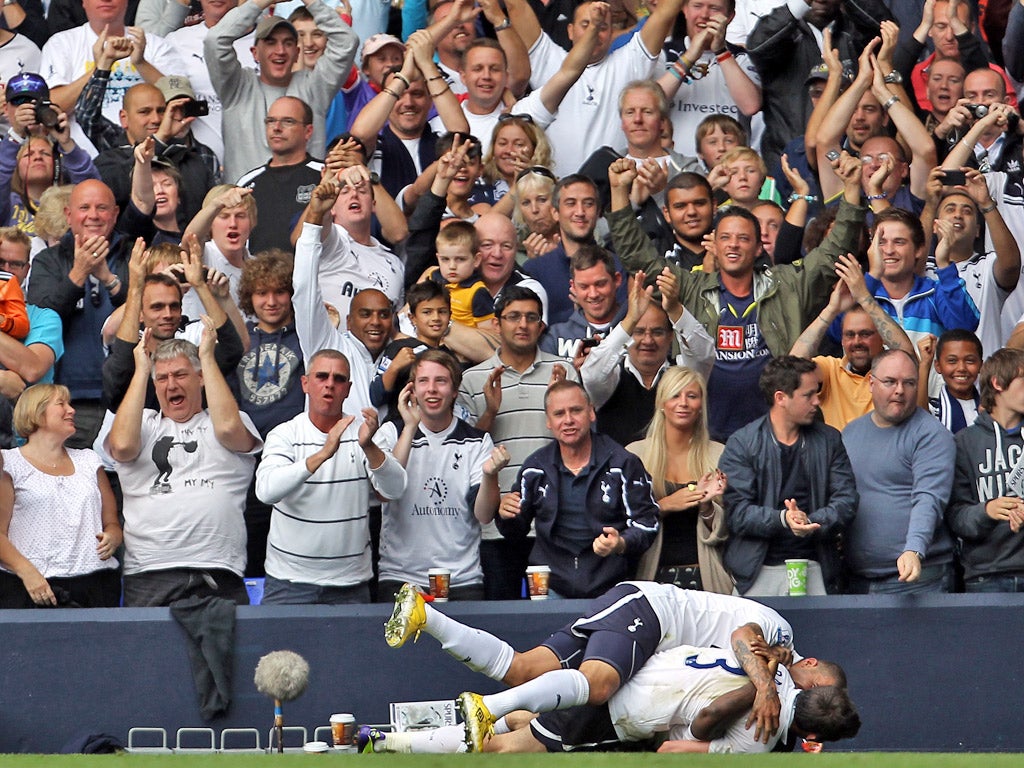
953	178
587	343
196	108
184	280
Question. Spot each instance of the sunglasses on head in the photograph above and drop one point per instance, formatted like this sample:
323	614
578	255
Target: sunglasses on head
508	116
540	170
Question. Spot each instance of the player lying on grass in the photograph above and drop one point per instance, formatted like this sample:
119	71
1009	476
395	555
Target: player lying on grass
586	661
698	696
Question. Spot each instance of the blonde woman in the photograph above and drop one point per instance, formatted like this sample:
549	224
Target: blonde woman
682	461
58	516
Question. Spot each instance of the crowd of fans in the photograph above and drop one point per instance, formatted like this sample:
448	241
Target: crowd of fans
675	290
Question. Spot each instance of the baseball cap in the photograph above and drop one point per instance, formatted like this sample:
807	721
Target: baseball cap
268	24
175	87
818	72
375	42
26	86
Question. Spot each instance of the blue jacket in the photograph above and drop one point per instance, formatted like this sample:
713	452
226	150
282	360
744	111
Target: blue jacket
752	461
618	494
931	306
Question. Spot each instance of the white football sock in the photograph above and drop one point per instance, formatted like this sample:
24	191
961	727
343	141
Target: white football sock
560	689
478	650
447	739
501	725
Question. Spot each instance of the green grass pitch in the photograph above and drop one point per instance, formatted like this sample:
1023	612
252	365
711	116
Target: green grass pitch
619	760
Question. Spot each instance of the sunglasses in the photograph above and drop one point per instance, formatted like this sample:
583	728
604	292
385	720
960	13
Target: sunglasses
540	170
508	116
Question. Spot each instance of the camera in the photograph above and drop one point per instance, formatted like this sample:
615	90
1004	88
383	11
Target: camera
46	115
977	110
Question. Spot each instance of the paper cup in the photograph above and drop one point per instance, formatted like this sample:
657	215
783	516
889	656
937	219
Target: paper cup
537	577
316	747
796	577
440	582
343	729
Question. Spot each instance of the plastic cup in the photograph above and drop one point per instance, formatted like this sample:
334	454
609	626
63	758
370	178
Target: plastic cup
796	577
440	581
537	577
316	747
343	729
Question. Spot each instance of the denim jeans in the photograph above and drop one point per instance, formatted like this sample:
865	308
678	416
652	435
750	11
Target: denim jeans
997	583
281	592
933	579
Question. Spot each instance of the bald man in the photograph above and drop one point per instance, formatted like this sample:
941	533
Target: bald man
82	279
146	112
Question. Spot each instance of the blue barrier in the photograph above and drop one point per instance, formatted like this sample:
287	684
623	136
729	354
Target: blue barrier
928	673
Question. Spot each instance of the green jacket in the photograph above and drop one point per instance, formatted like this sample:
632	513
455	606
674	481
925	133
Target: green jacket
787	295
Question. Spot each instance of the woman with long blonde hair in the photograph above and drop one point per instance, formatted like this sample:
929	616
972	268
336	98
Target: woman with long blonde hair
682	461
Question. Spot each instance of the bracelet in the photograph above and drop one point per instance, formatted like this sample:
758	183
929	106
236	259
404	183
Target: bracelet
707	517
675	73
877	197
987	210
17	138
724	56
687	64
439	93
116	281
889	102
389	92
809	198
402	77
504	25
435	77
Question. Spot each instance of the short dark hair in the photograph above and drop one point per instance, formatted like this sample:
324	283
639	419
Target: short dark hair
567	181
590	255
512	293
446	142
441	357
162	278
737	212
689	180
907	219
425	291
783	374
827	712
959	334
1003	366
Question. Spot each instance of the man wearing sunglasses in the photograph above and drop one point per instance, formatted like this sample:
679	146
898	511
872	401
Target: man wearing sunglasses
314	472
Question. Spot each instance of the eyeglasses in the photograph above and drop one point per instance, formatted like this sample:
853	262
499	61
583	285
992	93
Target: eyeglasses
284	122
8	264
890	383
509	116
858	334
540	170
532	318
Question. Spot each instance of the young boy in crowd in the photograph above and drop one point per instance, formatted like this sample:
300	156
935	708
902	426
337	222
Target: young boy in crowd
458	264
430	312
742	177
957	357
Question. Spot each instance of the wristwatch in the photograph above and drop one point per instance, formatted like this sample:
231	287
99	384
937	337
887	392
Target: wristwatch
504	25
894	78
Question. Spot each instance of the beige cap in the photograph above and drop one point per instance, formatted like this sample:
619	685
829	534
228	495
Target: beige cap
175	87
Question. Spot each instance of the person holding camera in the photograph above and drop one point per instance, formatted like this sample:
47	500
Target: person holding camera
36	152
165	111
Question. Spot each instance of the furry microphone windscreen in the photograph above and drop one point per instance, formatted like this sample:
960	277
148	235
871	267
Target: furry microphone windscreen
282	675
